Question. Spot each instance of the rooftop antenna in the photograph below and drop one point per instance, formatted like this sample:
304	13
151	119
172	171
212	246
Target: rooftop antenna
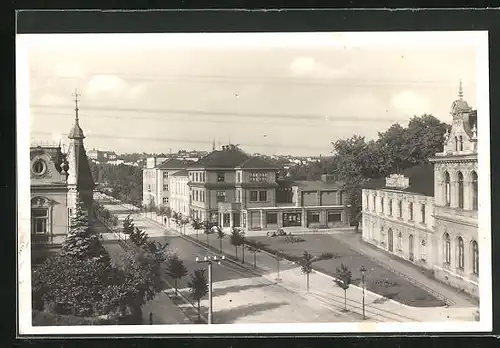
219	143
460	90
213	144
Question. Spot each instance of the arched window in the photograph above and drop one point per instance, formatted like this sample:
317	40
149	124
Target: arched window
423	250
382	205
447	189
475	258
410	247
447	248
460	179
400	241
456	144
390	207
410	211
400	209
460	246
474	190
461	141
422	210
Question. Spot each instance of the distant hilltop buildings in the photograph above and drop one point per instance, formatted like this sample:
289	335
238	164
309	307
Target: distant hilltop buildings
101	156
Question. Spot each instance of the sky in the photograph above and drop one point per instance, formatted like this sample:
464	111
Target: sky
269	93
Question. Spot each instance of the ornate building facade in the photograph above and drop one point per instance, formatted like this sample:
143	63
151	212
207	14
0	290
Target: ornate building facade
436	229
57	181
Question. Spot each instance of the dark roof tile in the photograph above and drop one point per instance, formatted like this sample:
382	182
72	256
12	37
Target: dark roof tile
229	158
174	163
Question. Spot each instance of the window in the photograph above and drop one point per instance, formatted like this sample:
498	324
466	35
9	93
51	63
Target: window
263	196
221	196
366	202
461	141
272	218
220	177
410	247
456	144
460	246
238	196
447	248
263	177
423	250
196	177
39	167
410	211
475	258
39	220
400	209
165	175
313	217
253	196
460	179
334	217
382	204
390	207
149	188
374	202
474	191
238	175
165	187
196	198
253	177
203	196
447	189
422	210
165	200
400	241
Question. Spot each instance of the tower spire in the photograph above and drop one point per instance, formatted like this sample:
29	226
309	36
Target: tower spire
460	90
213	144
76	95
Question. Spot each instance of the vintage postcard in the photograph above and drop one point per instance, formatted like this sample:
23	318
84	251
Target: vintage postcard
253	183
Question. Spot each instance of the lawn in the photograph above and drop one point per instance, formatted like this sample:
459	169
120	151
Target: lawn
378	279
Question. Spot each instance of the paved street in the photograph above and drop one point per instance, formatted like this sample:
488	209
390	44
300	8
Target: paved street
241	296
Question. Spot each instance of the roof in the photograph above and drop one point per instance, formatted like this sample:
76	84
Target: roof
258	163
228	158
316	185
76	132
182	172
174	163
421	181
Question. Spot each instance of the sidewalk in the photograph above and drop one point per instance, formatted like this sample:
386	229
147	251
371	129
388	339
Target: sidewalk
354	241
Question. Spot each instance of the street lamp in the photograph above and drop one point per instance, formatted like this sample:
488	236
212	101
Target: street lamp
209	260
363	270
278	259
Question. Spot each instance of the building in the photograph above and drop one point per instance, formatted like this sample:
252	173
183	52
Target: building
235	189
179	192
398	215
155	179
57	181
434	228
101	156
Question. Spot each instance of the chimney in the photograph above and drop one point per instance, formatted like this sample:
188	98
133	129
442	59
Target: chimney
397	181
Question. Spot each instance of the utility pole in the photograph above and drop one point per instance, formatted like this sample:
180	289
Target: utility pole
209	260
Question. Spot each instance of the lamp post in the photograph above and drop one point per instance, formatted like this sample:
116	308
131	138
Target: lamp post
209	260
278	259
363	270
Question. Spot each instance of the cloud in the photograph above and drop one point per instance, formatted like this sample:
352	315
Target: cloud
69	70
410	103
309	67
105	86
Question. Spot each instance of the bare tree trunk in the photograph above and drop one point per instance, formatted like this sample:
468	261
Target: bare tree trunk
236	248
208	242
199	318
220	241
307	276
345	300
254	260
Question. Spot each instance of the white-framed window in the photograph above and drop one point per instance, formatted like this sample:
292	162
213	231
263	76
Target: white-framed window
400	209
447	189
39	220
447	248
423	250
400	241
474	190
460	182
254	196
382	205
475	257
410	211
390	207
422	210
165	200
221	177
460	253
221	196
165	187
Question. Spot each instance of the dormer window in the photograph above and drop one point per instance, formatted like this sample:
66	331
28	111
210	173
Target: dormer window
39	167
220	177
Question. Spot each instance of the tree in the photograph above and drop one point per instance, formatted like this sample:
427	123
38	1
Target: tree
175	269
199	287
196	225
80	242
235	239
207	228
255	248
139	237
343	279
168	214
220	237
306	265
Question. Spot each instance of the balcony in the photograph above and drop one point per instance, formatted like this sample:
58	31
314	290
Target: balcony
227	207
